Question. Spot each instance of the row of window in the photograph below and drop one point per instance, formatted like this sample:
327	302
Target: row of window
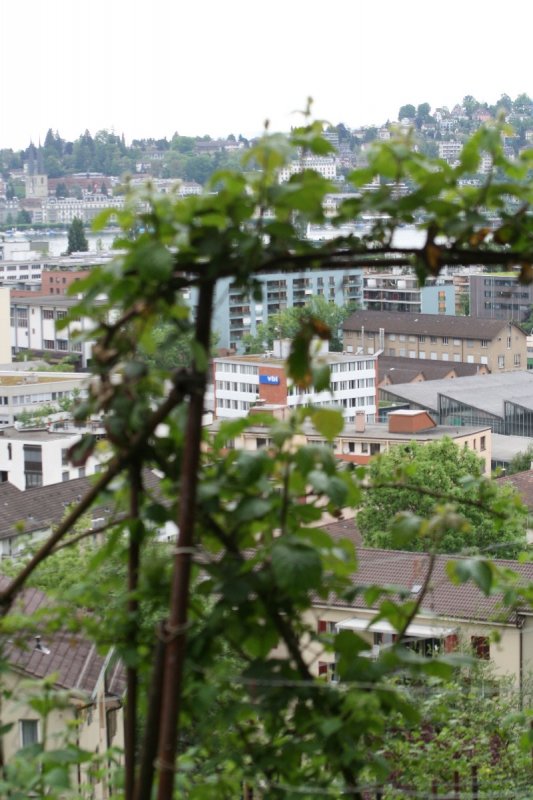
242	369
360	383
242	405
233	386
351	366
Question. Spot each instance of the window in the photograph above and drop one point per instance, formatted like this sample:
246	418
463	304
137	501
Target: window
29	732
364	447
483	443
508	342
469	342
517	359
433	339
374	449
484	343
65	476
33	465
444	340
49	344
48	313
481	647
501	362
10	451
457	342
421	339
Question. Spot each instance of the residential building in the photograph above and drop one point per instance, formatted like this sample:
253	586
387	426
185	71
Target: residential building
39	456
241	382
360	441
237	312
324	165
450	151
27	391
498	345
33	327
450	615
402	292
30	515
500	296
5	335
93	685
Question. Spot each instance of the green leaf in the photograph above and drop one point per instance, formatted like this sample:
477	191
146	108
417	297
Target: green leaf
328	422
296	565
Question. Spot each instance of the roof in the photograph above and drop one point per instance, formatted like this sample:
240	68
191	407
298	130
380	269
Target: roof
426	324
523	483
505	448
487	393
400	369
44	506
72	657
28	379
398	568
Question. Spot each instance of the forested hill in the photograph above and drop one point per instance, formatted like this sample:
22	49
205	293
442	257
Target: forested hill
195	158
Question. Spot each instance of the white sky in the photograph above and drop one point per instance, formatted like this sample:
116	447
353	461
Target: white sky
224	66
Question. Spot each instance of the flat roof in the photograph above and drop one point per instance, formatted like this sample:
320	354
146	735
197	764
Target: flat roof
34	378
262	360
484	392
504	448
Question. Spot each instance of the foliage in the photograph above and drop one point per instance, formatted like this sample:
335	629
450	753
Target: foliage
77	241
249	562
446	472
521	461
475	721
285	324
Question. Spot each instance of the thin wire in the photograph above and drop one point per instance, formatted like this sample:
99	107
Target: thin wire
401	792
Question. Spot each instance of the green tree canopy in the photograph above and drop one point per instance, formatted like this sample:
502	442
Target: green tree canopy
415	479
407	111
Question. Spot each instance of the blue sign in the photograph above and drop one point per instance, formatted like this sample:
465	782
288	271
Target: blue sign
273	379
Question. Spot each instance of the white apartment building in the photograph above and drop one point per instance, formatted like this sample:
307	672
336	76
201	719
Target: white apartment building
28	391
450	151
241	382
33	327
39	457
325	166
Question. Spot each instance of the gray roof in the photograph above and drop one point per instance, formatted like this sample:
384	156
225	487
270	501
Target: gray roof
505	448
484	392
426	324
43	506
400	369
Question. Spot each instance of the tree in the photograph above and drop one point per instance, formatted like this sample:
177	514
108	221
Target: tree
521	461
413	479
249	560
285	324
23	217
407	112
77	241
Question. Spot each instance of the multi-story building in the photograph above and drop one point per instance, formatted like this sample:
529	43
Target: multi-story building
28	391
450	151
402	292
325	166
237	313
500	346
500	296
359	442
241	382
33	327
39	456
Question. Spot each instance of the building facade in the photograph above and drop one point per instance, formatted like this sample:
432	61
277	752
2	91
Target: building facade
500	297
242	382
500	346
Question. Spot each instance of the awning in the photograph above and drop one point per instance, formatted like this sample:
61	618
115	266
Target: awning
415	630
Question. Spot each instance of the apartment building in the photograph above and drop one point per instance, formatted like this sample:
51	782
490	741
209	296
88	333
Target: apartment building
500	296
360	441
450	151
33	327
242	382
402	292
39	456
498	345
237	312
325	166
28	391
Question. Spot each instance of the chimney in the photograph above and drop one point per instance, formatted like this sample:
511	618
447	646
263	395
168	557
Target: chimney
360	419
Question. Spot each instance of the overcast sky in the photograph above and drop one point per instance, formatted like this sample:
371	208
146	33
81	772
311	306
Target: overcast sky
218	67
